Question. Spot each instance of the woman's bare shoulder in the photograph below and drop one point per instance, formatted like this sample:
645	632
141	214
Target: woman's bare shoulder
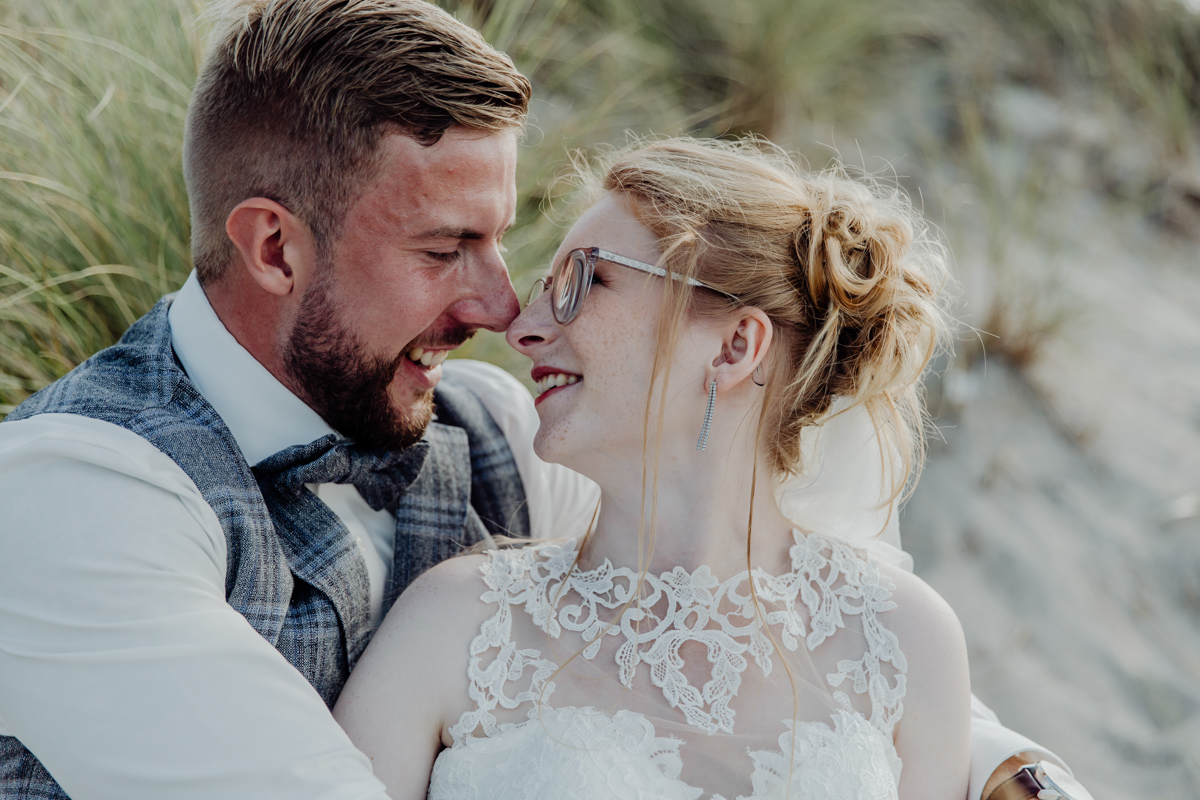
416	664
935	651
933	734
446	581
441	609
925	624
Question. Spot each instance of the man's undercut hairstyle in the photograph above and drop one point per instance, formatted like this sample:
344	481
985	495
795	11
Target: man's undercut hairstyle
295	96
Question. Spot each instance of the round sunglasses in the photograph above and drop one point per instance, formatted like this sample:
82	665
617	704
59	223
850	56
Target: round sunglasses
571	280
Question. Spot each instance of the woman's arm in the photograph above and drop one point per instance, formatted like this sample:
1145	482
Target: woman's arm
934	734
411	682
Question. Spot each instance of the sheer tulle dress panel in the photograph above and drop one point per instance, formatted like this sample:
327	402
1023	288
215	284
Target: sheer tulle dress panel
591	684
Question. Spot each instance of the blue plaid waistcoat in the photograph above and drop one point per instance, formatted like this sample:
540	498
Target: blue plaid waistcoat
293	571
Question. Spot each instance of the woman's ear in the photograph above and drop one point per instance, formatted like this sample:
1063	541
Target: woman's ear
744	345
276	248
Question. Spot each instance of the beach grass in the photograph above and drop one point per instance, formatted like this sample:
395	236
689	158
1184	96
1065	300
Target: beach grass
93	210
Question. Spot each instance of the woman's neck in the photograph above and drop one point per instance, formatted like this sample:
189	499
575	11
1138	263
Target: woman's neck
697	515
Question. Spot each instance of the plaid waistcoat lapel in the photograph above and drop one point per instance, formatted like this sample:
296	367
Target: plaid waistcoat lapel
469	489
434	519
327	622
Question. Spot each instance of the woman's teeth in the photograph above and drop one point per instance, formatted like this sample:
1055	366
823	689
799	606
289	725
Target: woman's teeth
427	358
558	379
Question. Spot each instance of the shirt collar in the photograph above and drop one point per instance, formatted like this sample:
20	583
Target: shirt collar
263	415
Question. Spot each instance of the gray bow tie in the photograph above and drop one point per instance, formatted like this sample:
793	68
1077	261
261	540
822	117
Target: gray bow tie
380	477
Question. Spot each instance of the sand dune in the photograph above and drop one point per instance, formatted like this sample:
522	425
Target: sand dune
1061	516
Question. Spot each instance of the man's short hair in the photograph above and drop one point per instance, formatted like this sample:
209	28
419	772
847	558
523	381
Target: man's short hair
295	96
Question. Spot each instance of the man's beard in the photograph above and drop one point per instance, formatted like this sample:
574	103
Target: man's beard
346	385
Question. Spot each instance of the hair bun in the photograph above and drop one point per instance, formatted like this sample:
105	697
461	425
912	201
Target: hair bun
848	251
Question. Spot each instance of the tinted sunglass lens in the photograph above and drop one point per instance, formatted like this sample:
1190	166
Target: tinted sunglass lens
578	289
563	290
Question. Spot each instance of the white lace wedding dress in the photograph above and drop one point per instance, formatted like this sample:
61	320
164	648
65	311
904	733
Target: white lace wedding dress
583	687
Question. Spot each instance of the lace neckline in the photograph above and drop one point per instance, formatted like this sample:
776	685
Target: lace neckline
674	608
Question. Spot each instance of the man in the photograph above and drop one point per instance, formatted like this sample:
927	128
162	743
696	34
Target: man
204	524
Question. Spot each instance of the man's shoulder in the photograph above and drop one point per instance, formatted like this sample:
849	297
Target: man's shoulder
75	437
120	424
138	385
505	400
127	414
484	380
485	400
95	476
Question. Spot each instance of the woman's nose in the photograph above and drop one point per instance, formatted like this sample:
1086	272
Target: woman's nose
533	327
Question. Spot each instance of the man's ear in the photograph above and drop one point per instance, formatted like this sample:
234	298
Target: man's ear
744	345
277	249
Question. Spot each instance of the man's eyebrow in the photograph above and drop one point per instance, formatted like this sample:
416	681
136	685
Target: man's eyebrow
450	232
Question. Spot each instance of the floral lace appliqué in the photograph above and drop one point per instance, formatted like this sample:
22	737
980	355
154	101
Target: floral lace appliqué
828	579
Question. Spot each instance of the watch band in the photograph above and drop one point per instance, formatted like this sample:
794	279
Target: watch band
1020	786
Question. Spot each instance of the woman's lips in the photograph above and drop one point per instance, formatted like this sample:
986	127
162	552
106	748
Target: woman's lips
537	400
550	380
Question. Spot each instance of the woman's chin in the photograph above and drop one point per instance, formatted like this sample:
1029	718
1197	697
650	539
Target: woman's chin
556	446
550	446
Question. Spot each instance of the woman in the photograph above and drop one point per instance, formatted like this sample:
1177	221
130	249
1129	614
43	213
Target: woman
711	304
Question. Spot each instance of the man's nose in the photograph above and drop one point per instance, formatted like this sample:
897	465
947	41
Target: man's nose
491	302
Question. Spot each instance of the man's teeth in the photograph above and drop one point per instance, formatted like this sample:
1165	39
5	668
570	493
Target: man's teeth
427	358
548	382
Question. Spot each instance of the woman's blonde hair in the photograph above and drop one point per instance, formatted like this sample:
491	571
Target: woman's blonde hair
846	270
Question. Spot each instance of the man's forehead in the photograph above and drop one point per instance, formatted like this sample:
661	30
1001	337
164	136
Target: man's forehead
451	149
463	187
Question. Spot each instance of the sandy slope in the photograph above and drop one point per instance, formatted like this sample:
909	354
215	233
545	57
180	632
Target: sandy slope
1061	517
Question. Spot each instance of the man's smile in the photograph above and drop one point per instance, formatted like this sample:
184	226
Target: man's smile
426	358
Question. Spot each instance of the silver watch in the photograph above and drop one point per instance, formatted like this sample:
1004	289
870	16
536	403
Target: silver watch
1028	781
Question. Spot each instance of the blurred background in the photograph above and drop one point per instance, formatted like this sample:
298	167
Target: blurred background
1055	144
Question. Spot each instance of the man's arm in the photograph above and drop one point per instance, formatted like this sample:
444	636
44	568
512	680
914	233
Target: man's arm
125	671
997	753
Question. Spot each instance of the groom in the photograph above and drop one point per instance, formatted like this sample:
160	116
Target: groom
203	525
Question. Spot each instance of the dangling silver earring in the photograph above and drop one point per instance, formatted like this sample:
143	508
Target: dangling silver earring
757	376
712	400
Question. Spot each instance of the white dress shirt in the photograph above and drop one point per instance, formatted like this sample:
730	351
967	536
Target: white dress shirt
123	668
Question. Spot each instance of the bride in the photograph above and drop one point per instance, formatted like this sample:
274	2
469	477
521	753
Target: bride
713	303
